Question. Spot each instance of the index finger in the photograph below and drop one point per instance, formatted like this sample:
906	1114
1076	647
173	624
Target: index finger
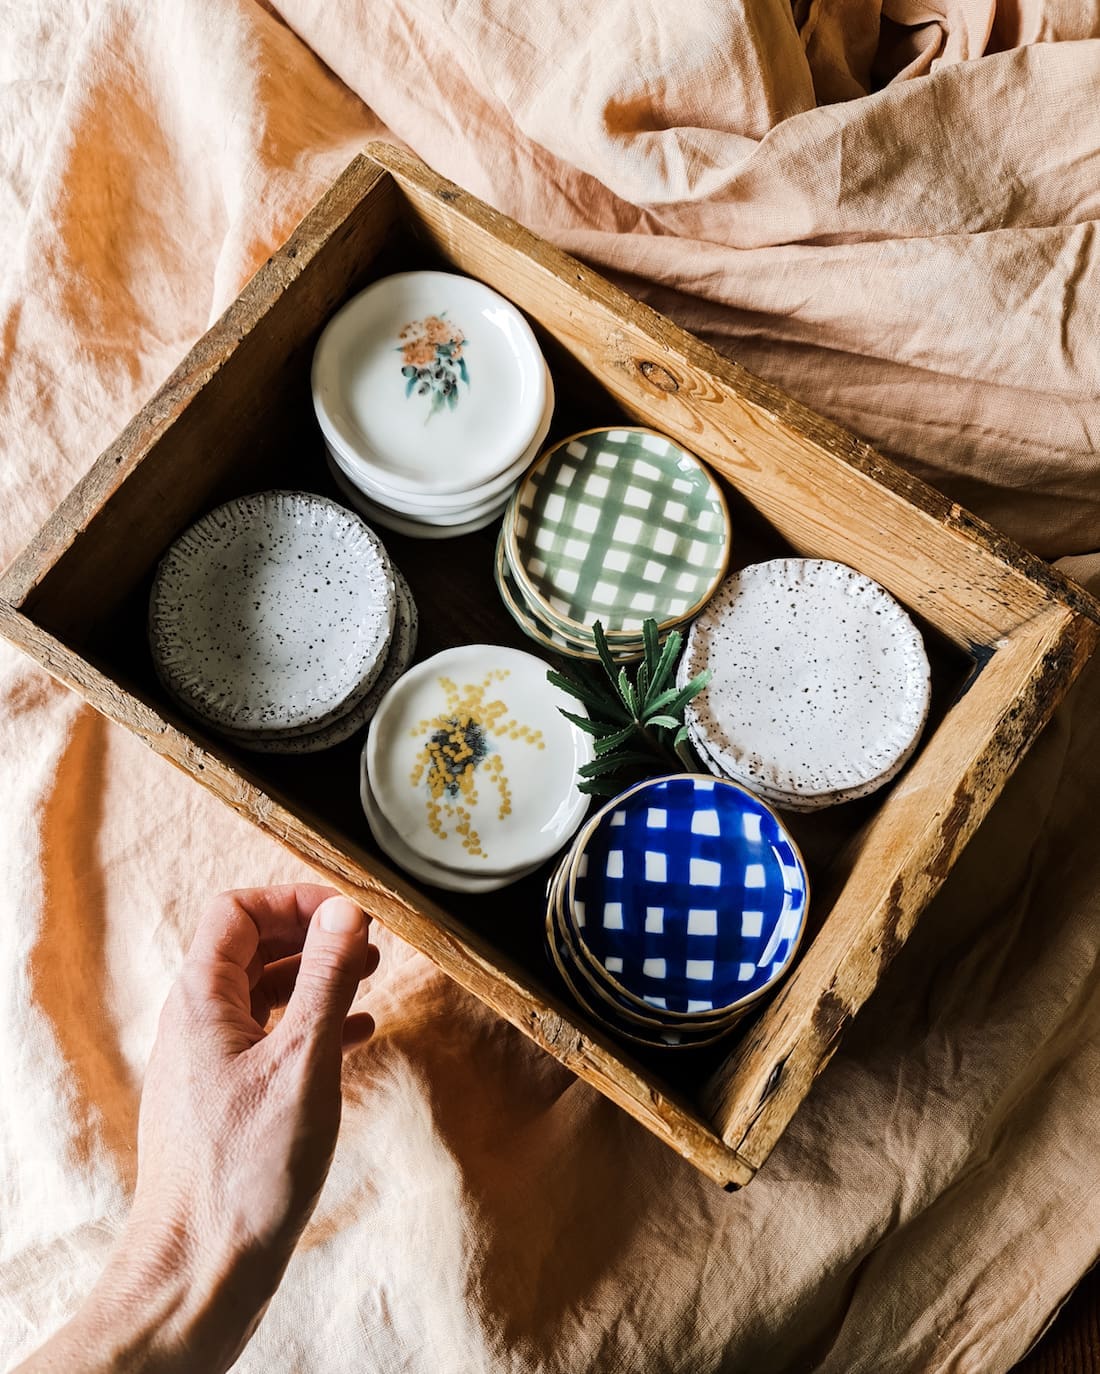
253	926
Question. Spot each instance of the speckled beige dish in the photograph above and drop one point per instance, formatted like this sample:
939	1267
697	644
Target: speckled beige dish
820	683
272	614
402	649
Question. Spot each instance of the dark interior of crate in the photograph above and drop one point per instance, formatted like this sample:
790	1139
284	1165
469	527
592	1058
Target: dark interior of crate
453	585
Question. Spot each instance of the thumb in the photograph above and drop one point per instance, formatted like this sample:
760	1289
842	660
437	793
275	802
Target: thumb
334	960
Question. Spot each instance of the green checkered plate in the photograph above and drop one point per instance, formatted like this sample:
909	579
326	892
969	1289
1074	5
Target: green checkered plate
617	525
539	630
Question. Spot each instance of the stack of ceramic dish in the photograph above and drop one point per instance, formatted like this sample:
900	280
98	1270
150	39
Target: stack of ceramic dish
819	683
434	398
279	621
679	905
469	773
616	526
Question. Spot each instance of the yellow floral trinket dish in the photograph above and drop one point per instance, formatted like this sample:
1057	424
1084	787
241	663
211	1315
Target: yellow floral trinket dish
471	766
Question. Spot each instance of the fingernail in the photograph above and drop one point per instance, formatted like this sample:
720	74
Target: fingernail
339	916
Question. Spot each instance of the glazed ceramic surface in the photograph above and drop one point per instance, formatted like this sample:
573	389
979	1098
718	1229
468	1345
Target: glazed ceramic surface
424	505
602	997
655	1038
273	613
820	682
414	529
471	761
689	894
535	628
402	649
432	379
392	845
618	525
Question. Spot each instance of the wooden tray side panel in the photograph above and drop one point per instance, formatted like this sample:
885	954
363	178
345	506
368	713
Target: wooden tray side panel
906	853
826	491
459	951
203	421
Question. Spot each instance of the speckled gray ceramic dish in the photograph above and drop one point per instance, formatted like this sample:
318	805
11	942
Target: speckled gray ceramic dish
402	649
820	683
272	614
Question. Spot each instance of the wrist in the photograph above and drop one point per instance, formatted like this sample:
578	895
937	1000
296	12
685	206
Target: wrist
181	1304
154	1310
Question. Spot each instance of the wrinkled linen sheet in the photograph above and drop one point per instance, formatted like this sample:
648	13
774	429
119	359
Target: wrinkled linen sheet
892	213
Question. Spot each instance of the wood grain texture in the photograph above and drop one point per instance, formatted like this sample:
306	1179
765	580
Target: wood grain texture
830	494
246	383
905	855
204	420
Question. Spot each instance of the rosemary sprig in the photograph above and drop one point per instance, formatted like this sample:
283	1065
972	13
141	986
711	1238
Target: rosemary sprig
637	723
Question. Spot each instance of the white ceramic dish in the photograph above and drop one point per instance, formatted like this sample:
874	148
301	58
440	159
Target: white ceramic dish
414	529
433	379
820	685
453	515
402	650
471	761
391	844
273	613
421	505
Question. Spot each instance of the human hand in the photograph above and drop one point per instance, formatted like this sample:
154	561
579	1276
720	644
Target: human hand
236	1134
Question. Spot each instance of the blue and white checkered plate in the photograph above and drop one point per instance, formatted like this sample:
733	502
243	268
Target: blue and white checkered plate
615	1011
683	900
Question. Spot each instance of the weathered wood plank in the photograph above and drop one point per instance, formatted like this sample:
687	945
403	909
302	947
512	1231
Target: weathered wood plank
827	492
458	950
905	855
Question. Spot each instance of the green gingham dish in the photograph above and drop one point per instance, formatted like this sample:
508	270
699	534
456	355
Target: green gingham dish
539	630
617	525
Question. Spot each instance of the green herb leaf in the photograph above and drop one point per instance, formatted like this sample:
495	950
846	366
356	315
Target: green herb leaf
609	665
609	742
610	763
635	717
652	641
597	728
599	787
668	722
626	691
598	698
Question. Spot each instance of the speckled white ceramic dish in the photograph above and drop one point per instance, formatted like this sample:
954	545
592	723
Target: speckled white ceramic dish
392	845
820	682
471	761
421	505
272	613
402	649
432	379
414	529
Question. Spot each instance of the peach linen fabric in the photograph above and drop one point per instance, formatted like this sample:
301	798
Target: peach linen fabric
889	210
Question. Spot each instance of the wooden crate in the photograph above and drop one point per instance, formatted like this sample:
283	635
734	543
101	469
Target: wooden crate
1007	634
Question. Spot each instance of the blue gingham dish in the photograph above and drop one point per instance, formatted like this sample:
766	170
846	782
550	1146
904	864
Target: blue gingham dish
656	1035
687	894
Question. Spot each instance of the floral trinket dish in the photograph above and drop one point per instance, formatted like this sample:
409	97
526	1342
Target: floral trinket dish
471	762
